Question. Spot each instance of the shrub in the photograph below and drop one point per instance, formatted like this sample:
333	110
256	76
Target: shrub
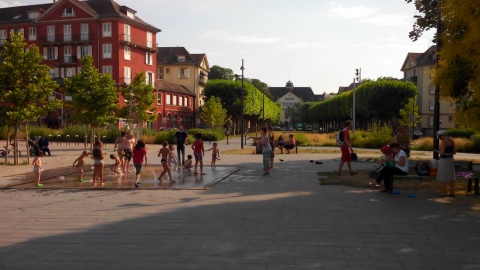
168	136
461	133
301	139
423	144
207	134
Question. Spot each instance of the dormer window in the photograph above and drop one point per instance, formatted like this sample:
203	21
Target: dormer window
32	15
181	59
68	12
130	14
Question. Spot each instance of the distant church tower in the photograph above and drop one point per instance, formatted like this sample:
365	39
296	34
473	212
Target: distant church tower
289	86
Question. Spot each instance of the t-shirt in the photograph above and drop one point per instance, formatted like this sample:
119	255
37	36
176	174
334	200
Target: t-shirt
198	146
138	155
181	137
397	158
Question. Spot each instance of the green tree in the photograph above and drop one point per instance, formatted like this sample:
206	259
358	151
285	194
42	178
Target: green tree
409	115
213	113
94	96
221	73
262	87
139	99
25	84
425	20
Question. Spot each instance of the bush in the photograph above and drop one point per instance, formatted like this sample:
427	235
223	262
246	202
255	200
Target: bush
461	133
168	136
301	139
377	136
423	144
207	134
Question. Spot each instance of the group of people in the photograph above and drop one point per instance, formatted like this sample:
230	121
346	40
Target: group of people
395	160
268	143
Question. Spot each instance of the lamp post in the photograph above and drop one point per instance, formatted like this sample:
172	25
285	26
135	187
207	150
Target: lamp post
242	125
54	96
436	111
263	109
358	78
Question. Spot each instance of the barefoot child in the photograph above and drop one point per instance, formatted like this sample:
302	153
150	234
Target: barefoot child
78	163
172	159
215	154
98	165
165	152
198	152
116	166
139	153
37	166
188	164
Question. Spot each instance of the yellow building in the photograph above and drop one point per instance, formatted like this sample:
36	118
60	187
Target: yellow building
176	65
419	68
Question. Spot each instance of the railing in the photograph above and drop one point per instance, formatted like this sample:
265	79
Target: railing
139	42
68	38
67	60
203	80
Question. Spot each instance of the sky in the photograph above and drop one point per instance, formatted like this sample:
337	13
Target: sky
314	43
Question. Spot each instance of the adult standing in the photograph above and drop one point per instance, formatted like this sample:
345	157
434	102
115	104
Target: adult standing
119	146
180	140
43	144
400	159
402	139
271	140
446	164
346	149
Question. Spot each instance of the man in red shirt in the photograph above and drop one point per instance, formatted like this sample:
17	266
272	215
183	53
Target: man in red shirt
346	149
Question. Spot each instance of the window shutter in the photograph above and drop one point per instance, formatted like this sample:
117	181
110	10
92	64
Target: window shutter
45	53
56	52
79	52
187	73
179	73
90	49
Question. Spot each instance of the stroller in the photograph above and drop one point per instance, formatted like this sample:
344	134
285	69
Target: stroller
382	162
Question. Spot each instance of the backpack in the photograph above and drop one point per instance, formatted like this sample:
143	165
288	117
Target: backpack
339	137
422	169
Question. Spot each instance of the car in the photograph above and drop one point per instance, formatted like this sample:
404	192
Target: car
290	129
277	128
417	134
308	128
284	129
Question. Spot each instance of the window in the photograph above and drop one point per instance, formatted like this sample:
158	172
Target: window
107	50
52	53
68	12
69	72
54	72
175	100
167	71
184	73
169	99
430	121
160	73
84	34
148	58
83	51
181	59
18	31
51	33
33	15
432	89
149	39
67	54
130	14
126	32
67	32
431	104
180	101
127	75
450	118
159	98
3	37
107	69
126	53
149	78
32	33
107	29
186	101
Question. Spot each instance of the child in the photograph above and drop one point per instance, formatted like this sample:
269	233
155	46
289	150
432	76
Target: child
116	167
215	154
79	165
98	165
188	164
267	152
37	166
198	152
172	159
139	153
165	152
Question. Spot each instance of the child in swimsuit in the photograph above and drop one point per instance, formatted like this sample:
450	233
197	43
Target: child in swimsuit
116	166
215	154
188	164
172	159
78	163
198	152
165	152
98	165
37	166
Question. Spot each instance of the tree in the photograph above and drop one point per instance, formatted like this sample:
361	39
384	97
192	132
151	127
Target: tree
409	115
262	87
213	113
25	83
139	101
426	20
221	73
94	96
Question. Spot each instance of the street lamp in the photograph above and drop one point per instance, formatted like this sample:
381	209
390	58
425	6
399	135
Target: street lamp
436	111
358	78
242	124
54	96
263	109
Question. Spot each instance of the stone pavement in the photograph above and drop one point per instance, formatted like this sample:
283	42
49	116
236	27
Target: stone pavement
283	221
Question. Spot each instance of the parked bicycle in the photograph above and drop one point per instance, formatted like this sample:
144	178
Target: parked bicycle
7	151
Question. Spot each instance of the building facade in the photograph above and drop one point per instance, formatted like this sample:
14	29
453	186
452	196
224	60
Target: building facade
419	68
175	65
175	106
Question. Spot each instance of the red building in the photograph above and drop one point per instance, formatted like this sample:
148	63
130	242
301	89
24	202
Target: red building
66	30
175	106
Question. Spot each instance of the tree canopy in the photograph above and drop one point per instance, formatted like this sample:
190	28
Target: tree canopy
220	73
213	113
425	20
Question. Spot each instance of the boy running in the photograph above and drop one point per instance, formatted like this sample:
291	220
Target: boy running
165	152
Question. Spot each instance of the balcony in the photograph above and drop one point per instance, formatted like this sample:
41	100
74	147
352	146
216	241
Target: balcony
413	79
130	40
84	38
67	60
203	79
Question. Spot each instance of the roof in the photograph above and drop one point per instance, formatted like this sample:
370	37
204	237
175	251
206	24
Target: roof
342	89
305	93
102	8
169	56
426	58
173	87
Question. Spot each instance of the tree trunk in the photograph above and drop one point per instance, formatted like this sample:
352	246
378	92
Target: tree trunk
6	145
27	142
92	139
15	144
98	134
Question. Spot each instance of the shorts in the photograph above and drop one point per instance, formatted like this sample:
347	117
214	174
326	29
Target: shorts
98	162
36	169
138	168
346	157
128	154
120	153
163	160
198	156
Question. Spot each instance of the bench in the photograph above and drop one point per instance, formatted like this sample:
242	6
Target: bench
258	149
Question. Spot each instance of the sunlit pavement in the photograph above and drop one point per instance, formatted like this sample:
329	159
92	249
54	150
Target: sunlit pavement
247	221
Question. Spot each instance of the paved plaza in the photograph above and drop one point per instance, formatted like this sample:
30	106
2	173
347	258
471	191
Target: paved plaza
245	221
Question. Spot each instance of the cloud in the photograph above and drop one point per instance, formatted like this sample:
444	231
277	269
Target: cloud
4	4
303	45
368	15
387	20
246	39
348	13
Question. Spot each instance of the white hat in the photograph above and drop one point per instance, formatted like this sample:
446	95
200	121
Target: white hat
440	133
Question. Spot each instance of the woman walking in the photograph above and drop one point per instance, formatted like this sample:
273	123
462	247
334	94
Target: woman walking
446	164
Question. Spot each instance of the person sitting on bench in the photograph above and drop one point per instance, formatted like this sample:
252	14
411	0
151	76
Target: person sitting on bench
43	144
290	144
400	159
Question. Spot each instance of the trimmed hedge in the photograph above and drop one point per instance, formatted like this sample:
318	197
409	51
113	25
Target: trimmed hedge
461	133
